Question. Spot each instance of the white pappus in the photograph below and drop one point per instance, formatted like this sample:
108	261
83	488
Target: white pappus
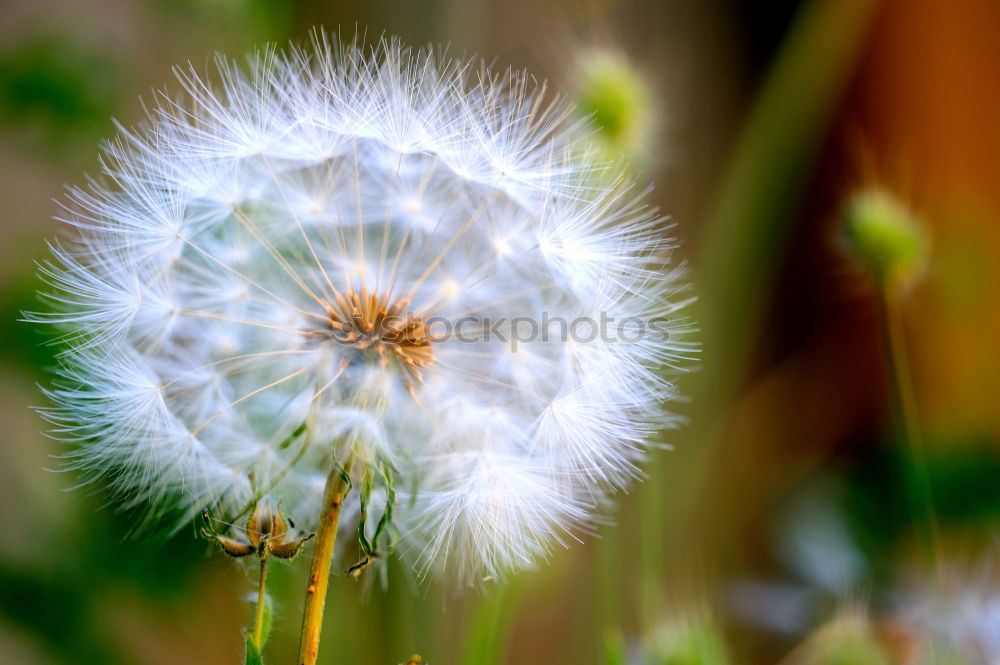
274	270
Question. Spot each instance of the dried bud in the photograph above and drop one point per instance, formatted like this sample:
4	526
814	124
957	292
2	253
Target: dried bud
266	531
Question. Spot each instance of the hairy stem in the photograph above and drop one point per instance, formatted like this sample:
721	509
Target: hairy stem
258	624
337	486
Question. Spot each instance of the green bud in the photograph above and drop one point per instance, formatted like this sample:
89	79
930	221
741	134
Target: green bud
885	237
613	93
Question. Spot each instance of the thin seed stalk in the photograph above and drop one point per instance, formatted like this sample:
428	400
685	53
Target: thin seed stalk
918	484
337	486
258	624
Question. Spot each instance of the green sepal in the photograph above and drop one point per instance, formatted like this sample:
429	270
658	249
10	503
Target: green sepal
385	522
366	494
357	568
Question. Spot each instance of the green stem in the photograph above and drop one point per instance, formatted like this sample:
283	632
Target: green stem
337	485
917	478
607	587
488	633
258	624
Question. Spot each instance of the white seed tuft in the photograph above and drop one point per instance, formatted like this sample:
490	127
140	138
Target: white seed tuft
257	281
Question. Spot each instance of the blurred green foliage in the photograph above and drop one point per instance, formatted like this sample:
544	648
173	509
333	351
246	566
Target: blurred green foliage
846	640
36	347
59	595
694	639
59	92
963	482
222	23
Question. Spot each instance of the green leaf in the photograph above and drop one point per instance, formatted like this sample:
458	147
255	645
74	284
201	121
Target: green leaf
253	653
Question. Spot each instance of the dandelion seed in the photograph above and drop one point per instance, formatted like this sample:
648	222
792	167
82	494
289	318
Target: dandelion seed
251	291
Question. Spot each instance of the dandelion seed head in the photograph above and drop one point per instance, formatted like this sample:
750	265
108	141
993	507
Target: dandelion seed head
261	278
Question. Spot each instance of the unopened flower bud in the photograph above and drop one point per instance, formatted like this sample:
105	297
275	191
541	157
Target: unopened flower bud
614	94
885	237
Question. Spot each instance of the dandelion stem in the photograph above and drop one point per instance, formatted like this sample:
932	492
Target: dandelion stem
917	480
258	624
337	486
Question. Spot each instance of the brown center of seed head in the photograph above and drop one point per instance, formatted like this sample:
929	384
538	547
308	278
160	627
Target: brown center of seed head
380	330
